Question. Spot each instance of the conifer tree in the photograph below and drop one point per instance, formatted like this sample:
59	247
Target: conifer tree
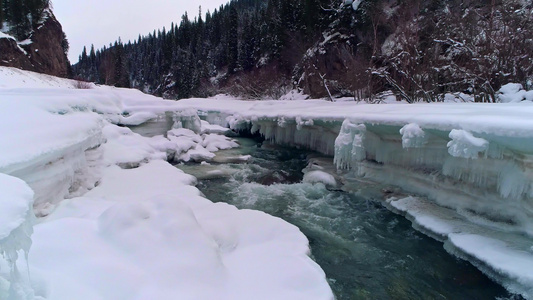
233	28
1	14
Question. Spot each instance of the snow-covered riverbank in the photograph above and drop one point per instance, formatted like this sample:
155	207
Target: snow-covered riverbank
469	166
136	220
133	226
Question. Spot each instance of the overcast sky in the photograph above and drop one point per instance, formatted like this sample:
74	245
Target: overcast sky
101	22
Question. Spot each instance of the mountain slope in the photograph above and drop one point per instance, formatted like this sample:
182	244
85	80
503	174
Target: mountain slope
420	50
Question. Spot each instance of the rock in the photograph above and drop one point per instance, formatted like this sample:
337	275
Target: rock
43	55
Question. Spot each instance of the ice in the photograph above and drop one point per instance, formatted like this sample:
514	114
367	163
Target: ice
349	145
292	131
471	162
464	144
504	256
15	203
213	128
17	218
413	136
188	119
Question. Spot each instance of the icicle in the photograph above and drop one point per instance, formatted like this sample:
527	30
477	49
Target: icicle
349	145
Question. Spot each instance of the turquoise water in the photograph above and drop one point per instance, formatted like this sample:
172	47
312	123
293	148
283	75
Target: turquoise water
366	251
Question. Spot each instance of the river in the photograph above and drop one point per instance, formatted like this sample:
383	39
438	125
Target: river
366	251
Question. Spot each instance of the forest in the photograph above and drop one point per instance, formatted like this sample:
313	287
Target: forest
417	49
19	17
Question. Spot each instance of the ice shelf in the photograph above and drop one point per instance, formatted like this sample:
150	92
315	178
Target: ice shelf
472	166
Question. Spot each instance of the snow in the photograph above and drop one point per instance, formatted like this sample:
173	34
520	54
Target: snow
355	3
318	176
95	176
507	254
117	220
3	35
464	144
16	201
15	231
148	234
210	128
412	136
294	95
514	92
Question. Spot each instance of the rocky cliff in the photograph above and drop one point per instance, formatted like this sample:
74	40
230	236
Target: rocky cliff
44	51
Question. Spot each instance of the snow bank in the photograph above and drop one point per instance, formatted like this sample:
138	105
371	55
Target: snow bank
506	119
148	234
145	231
46	143
15	78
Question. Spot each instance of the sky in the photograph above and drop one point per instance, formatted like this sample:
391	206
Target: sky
101	22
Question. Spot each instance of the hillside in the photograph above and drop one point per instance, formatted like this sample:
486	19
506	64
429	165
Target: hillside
420	50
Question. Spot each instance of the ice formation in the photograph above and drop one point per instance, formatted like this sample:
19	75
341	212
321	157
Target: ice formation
464	144
16	228
469	165
349	146
412	136
468	161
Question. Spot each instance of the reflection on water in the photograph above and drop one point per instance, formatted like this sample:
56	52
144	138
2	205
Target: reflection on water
366	251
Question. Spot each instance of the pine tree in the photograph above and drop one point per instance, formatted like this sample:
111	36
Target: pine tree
18	18
233	41
1	14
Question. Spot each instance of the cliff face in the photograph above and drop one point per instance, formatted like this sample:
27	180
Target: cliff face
43	52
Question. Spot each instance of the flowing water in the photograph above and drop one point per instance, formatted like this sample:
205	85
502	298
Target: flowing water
366	251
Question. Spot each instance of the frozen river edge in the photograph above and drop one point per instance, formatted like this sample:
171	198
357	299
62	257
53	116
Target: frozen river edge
469	163
471	172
